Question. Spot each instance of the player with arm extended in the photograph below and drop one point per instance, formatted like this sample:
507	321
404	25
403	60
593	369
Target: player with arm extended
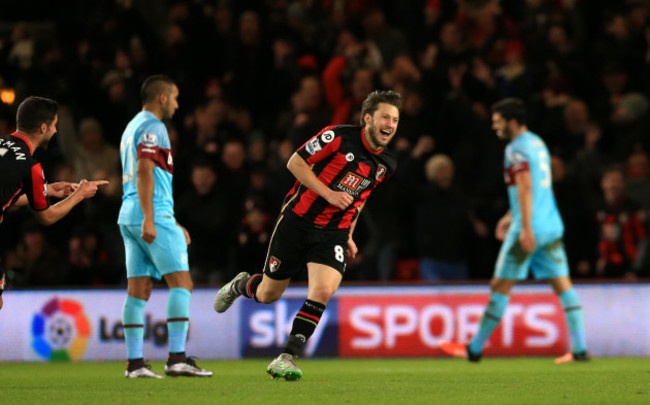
22	180
336	170
155	244
531	232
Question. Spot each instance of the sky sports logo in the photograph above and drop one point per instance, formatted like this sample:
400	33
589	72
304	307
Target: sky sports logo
60	330
408	326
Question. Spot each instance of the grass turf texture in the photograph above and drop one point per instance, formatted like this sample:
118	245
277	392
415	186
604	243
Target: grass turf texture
384	381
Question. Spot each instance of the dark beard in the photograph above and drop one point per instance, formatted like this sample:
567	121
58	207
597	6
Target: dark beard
45	144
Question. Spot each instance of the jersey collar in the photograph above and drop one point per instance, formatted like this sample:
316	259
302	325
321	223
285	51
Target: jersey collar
365	143
22	137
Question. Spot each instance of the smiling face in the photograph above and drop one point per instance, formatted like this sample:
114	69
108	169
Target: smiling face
381	125
501	126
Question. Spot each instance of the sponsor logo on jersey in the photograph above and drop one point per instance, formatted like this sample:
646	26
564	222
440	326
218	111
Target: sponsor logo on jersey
274	264
327	137
381	171
313	146
353	183
349	157
150	139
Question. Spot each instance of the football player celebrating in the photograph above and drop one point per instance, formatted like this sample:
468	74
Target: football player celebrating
335	172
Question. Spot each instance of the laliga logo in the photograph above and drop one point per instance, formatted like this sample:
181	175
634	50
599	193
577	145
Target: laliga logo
60	331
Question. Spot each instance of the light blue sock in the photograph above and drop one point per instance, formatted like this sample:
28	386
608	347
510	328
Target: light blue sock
178	318
490	320
573	314
133	323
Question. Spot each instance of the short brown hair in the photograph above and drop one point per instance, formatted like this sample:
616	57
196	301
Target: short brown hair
371	103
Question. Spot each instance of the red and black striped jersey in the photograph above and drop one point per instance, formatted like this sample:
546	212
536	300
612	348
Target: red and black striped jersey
342	159
20	174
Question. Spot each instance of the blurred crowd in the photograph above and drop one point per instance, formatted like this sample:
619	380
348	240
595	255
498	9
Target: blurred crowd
259	78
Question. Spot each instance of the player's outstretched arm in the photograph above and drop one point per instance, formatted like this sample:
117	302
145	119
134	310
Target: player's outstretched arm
85	189
302	171
61	189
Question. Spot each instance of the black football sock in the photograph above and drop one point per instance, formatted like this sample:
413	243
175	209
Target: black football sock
303	327
176	358
134	364
248	286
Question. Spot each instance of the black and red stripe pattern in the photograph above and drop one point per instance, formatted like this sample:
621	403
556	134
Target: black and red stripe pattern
308	318
38	188
20	174
341	158
622	230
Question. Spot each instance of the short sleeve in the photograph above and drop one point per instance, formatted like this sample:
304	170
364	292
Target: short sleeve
152	138
320	146
36	188
519	159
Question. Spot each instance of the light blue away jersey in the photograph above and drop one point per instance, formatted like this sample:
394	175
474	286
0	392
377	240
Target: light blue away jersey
146	137
529	153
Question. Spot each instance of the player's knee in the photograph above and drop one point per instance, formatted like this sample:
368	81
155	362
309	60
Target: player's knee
322	294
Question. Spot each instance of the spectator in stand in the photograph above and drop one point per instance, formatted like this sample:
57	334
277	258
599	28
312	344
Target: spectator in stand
204	211
355	65
622	240
234	174
389	40
89	262
89	152
36	264
577	220
638	179
253	235
442	223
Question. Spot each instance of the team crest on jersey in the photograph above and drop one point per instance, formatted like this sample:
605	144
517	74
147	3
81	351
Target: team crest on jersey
150	139
349	157
327	137
381	171
274	264
353	183
313	146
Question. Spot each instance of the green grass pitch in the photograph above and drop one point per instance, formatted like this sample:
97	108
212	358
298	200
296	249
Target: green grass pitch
368	382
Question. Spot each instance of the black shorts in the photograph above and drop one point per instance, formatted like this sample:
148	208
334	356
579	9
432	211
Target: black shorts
295	243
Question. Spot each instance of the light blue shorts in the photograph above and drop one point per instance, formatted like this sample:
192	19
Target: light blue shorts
547	261
167	253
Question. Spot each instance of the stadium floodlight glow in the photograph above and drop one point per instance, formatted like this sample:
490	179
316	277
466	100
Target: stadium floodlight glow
7	96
